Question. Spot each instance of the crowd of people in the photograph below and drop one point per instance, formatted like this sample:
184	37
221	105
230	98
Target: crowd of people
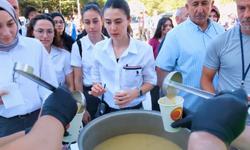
105	59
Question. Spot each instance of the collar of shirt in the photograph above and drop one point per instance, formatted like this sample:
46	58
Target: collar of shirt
131	48
195	27
89	44
55	51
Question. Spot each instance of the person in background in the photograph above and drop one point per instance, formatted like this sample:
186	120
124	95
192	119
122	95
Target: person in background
30	12
67	41
184	48
164	25
82	59
141	25
77	21
42	27
67	24
181	16
214	14
147	27
17	48
14	4
104	30
121	62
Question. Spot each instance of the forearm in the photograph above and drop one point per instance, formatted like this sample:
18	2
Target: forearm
78	84
205	141
10	138
70	81
40	137
146	87
243	141
207	85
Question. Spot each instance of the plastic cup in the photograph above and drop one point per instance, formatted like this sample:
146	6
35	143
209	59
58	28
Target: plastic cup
171	112
74	128
118	92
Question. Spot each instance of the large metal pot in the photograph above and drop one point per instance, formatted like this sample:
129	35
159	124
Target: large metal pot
125	122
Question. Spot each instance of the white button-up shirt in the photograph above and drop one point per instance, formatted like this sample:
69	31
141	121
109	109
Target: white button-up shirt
32	52
135	67
61	61
86	62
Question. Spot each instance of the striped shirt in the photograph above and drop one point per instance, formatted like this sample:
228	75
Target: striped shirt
184	50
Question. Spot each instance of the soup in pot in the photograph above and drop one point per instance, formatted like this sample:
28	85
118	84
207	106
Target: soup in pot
137	142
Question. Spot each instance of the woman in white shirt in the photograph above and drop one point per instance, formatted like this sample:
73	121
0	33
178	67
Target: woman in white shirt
25	96
82	59
122	63
42	27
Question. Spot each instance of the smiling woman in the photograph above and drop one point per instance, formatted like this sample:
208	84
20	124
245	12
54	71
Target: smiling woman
8	31
42	27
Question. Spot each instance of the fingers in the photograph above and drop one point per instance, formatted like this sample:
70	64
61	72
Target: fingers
123	103
97	90
3	93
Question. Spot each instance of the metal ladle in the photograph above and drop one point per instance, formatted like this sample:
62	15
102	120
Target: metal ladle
172	84
27	71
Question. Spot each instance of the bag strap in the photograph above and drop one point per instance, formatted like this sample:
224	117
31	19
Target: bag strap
80	47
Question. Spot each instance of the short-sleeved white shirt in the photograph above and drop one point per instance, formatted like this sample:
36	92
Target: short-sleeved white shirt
86	62
135	67
61	61
28	51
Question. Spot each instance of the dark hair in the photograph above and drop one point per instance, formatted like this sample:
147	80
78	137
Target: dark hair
94	3
92	7
56	41
1	8
119	4
28	10
161	22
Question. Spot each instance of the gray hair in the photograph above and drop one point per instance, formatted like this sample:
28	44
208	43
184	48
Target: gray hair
188	0
178	13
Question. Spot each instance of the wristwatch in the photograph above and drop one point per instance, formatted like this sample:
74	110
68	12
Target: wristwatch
139	92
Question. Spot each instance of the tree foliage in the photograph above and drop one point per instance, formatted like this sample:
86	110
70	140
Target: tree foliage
67	6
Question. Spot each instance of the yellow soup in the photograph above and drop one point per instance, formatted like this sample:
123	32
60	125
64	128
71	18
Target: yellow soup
137	142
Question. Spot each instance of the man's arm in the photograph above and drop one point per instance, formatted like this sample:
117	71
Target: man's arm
207	79
205	141
40	137
8	139
243	141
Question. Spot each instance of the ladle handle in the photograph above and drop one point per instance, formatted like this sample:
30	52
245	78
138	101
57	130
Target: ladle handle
192	90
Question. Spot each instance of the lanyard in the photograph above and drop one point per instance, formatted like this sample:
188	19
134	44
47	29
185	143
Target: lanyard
244	74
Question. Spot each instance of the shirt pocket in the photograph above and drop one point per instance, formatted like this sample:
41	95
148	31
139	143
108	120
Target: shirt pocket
132	75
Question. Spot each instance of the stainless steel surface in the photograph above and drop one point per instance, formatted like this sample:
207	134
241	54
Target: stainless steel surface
23	67
27	71
172	76
173	81
125	122
81	101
